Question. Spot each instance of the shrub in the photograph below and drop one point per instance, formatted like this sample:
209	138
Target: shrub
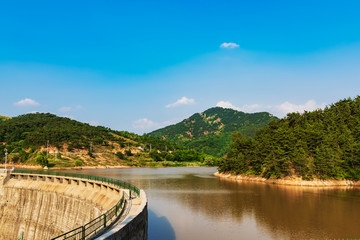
42	160
209	161
120	155
78	163
155	155
128	153
16	158
91	155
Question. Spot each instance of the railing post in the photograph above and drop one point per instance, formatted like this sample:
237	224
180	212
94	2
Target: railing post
104	220
83	233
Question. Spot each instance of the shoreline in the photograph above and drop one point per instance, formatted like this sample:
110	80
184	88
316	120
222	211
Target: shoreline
38	167
290	181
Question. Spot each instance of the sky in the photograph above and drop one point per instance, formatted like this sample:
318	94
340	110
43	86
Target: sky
141	65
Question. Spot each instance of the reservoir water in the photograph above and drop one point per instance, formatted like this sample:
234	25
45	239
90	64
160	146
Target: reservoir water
191	203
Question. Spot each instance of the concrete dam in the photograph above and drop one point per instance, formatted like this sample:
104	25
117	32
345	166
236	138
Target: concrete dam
44	205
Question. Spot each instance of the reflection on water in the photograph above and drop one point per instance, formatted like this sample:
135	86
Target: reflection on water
190	203
159	227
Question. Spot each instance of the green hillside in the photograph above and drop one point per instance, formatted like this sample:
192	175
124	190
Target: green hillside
322	144
210	132
80	144
2	118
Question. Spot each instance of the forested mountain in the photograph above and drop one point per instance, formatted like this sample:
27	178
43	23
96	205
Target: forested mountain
34	130
210	132
28	136
322	144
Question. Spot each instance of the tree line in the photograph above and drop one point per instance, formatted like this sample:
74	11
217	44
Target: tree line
26	134
322	144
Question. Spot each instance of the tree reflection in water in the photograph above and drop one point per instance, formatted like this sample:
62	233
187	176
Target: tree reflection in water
159	227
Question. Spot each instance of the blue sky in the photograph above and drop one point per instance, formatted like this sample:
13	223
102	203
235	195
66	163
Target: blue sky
141	65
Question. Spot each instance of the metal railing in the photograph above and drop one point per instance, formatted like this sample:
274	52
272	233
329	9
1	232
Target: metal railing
115	182
95	225
104	220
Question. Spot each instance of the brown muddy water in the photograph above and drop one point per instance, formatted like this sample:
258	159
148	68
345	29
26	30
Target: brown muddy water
191	203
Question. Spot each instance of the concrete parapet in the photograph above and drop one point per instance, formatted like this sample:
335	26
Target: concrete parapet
45	206
74	182
83	183
58	180
134	227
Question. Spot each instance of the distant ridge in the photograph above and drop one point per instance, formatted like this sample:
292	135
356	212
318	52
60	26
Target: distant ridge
210	131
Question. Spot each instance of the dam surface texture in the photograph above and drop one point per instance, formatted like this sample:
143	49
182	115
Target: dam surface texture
44	206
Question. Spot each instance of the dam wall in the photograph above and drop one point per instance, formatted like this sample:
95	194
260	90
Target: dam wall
45	206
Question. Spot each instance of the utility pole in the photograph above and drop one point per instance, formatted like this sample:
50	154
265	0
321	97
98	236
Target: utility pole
6	153
91	147
47	148
150	147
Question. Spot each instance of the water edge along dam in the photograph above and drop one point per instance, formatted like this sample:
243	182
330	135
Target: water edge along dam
58	205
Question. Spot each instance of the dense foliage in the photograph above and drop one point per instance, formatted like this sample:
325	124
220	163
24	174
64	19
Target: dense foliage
32	131
323	144
210	132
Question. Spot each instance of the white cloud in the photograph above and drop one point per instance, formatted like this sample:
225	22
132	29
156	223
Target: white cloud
143	123
225	104
288	107
65	109
27	102
94	123
280	110
244	108
180	102
229	45
251	108
70	109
